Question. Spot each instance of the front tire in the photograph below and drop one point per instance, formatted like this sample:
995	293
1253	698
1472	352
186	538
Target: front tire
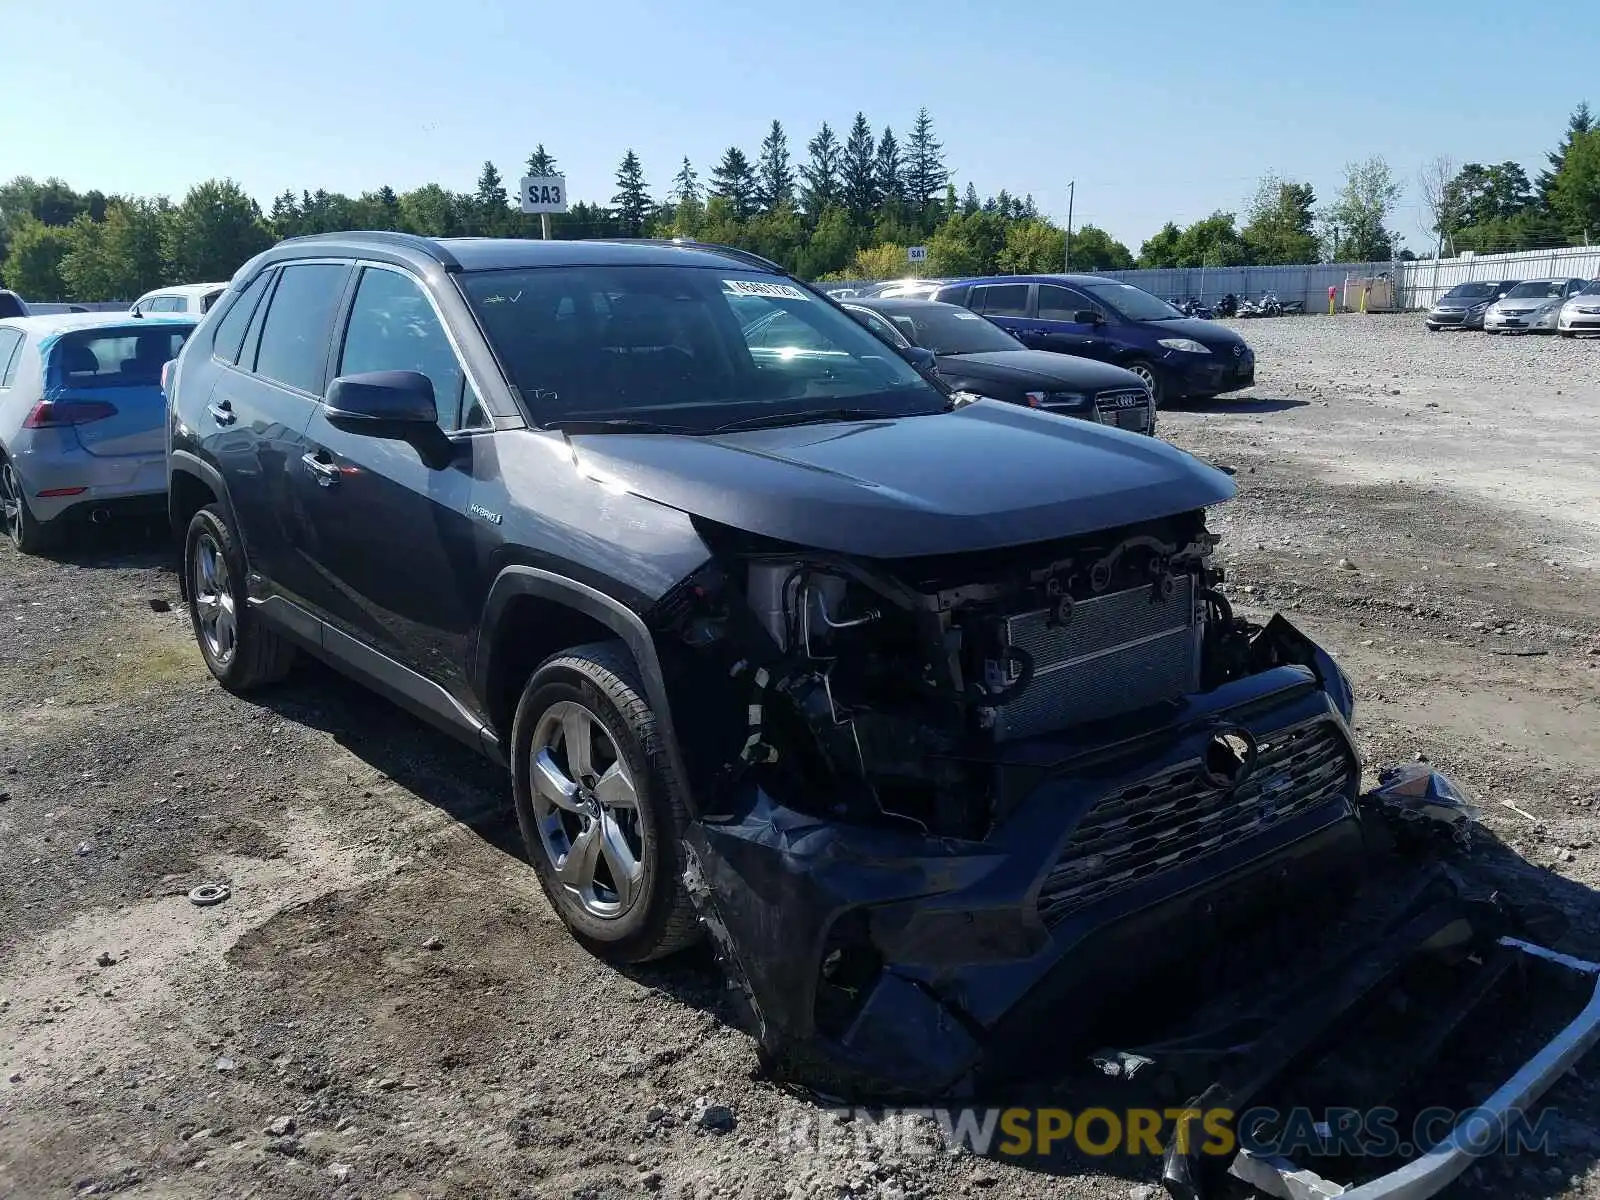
240	650
27	533
1148	373
601	813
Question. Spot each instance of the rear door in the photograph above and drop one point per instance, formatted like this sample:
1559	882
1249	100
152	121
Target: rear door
391	546
1006	304
271	348
116	372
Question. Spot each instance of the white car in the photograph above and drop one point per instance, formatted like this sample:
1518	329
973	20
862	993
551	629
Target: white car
1581	314
196	298
1533	306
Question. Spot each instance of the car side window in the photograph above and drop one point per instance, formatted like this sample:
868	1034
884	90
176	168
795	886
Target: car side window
879	326
1001	300
10	354
294	336
1057	303
230	330
393	327
960	293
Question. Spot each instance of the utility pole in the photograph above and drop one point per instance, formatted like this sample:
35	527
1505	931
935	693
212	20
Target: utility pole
1072	192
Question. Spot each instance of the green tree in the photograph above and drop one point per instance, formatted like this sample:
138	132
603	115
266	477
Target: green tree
1034	247
885	261
1579	123
117	258
733	179
1281	223
1210	242
1575	194
970	202
34	258
925	172
859	171
966	245
541	162
891	169
431	211
632	201
1356	223
833	242
819	176
1093	249
285	215
774	175
489	203
687	206
213	232
1161	249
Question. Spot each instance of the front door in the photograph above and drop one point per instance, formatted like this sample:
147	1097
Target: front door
389	537
1060	329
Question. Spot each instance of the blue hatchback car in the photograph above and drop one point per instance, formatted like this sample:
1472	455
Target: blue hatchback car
1115	322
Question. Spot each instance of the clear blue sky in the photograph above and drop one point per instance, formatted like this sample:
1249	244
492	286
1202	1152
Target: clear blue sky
1159	110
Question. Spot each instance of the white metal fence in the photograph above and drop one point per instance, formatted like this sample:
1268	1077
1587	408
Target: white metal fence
1417	284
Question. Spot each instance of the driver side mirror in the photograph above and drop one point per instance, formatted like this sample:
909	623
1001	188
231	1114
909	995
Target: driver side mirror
385	404
919	357
1087	316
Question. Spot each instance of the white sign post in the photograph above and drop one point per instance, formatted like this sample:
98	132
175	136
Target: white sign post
917	254
544	194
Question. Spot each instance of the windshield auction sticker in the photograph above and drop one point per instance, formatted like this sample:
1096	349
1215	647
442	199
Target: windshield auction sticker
772	291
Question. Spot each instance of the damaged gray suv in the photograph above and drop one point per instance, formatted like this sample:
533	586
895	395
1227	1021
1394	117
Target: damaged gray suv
928	709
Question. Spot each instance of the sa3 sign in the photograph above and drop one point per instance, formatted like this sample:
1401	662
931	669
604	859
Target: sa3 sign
544	194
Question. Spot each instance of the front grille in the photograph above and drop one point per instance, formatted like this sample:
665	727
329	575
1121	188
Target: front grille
1117	653
1176	817
1126	408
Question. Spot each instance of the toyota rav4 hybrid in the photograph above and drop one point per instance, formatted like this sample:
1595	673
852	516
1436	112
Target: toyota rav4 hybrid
929	711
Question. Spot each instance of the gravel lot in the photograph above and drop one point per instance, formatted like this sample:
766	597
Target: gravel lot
387	990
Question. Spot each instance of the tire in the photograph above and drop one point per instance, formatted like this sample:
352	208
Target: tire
1433	329
239	648
594	691
1566	333
27	533
1151	380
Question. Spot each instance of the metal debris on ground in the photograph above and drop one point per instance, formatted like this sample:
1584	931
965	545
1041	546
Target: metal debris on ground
208	894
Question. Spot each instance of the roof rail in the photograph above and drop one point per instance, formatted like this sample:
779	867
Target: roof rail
410	241
744	256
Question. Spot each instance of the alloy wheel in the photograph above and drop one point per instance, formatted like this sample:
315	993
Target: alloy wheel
1149	378
586	807
213	600
11	502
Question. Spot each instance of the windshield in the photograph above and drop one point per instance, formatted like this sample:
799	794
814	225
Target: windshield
693	347
1472	291
1538	289
1592	288
947	329
1135	304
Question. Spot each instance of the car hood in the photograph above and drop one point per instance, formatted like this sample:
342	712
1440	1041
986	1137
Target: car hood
1517	303
983	476
1049	370
1207	333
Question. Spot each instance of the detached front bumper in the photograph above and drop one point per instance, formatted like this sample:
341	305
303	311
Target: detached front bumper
894	963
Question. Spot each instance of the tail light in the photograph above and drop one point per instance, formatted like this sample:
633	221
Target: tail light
57	414
168	368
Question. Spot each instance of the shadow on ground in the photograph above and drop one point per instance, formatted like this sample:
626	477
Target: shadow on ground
1246	405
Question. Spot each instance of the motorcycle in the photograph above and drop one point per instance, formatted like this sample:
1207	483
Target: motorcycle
1248	308
1190	307
1228	306
1270	306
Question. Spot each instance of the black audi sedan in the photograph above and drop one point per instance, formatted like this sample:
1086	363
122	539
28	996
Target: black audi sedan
973	354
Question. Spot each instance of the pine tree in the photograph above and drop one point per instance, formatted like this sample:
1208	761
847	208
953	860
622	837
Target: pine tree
632	202
859	171
925	172
732	178
820	176
774	175
489	202
1580	122
686	185
970	202
891	169
541	162
285	217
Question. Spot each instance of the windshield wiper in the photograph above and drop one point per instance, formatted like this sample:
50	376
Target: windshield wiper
811	416
613	425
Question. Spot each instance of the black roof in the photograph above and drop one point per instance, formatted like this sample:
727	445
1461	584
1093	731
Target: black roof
484	254
897	304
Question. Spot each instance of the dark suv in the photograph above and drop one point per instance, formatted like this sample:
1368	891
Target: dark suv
928	710
1094	317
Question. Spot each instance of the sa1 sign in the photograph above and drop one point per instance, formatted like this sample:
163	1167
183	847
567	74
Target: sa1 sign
544	194
916	253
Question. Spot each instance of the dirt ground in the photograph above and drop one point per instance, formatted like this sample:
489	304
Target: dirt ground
387	978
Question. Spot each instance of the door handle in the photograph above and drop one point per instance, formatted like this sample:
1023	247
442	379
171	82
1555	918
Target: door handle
222	412
327	473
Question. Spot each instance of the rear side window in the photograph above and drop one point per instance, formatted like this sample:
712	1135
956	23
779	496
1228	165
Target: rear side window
115	358
230	330
10	340
209	300
294	337
1001	300
394	328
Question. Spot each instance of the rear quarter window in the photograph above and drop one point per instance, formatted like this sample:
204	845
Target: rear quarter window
230	330
10	354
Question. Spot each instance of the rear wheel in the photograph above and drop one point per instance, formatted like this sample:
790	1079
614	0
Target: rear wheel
1147	373
600	812
27	533
240	650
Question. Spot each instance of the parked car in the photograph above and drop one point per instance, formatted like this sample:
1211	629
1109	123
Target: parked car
194	298
1533	306
973	354
1117	323
12	305
82	419
1581	313
1463	306
911	288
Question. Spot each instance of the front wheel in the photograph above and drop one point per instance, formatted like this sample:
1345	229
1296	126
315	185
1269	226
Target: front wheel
601	814
1148	374
27	533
